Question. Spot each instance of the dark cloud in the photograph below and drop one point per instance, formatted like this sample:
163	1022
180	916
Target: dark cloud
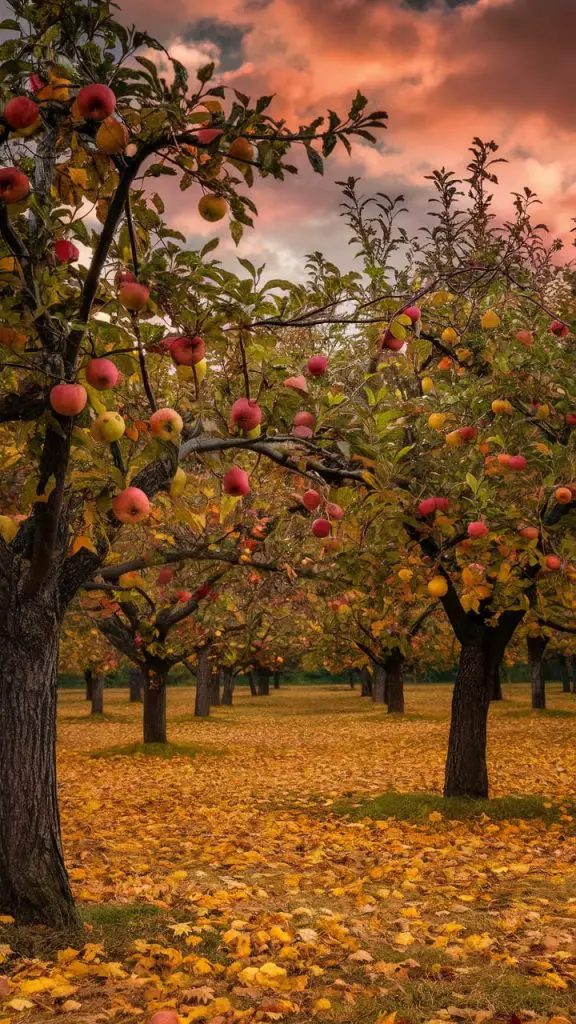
228	37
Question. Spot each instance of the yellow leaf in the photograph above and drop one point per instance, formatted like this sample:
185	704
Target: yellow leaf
32	985
404	939
21	1004
70	1005
6	919
79	176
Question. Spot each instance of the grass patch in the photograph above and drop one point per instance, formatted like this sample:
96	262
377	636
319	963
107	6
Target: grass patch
541	712
420	999
417	807
164	750
118	925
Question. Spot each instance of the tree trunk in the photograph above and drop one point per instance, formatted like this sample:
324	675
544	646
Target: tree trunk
352	678
276	680
366	681
203	676
215	686
565	668
466	769
252	683
395	682
536	647
33	881
263	676
379	685
136	684
155	678
227	686
495	681
573	672
88	681
97	691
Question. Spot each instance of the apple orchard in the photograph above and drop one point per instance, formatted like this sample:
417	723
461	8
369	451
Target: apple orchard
231	472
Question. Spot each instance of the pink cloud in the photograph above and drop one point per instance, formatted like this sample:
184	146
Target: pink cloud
498	69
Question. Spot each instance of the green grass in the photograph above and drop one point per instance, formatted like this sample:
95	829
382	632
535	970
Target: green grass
419	999
417	807
546	712
164	750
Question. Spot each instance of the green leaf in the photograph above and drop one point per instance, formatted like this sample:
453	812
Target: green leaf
204	74
315	160
472	482
236	230
209	247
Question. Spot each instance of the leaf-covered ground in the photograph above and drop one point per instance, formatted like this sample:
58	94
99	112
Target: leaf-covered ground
242	880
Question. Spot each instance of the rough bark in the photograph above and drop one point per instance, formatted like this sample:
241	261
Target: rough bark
466	768
227	686
136	684
155	678
565	669
536	647
379	685
263	676
215	686
496	682
97	693
33	882
276	678
88	682
394	666
252	683
203	676
352	678
573	672
366	682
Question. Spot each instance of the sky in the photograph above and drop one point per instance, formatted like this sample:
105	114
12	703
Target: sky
444	70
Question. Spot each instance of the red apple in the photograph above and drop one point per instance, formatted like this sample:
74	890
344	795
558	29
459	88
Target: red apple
166	424
68	399
333	510
563	495
95	102
35	83
245	414
413	312
131	505
321	527
304	419
442	504
528	532
133	296
390	342
468	433
204	590
236	482
559	329
165	1017
183	596
20	112
304	432
427	507
477	529
206	136
65	251
517	462
298	383
164	576
570	418
14	185
102	374
124	277
553	563
311	500
317	366
187	350
525	338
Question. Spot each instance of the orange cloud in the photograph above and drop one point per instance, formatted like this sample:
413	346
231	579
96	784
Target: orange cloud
495	68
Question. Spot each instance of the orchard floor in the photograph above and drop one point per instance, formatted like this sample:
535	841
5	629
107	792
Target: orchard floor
244	883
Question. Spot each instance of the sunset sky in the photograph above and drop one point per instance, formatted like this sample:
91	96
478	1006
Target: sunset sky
444	70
